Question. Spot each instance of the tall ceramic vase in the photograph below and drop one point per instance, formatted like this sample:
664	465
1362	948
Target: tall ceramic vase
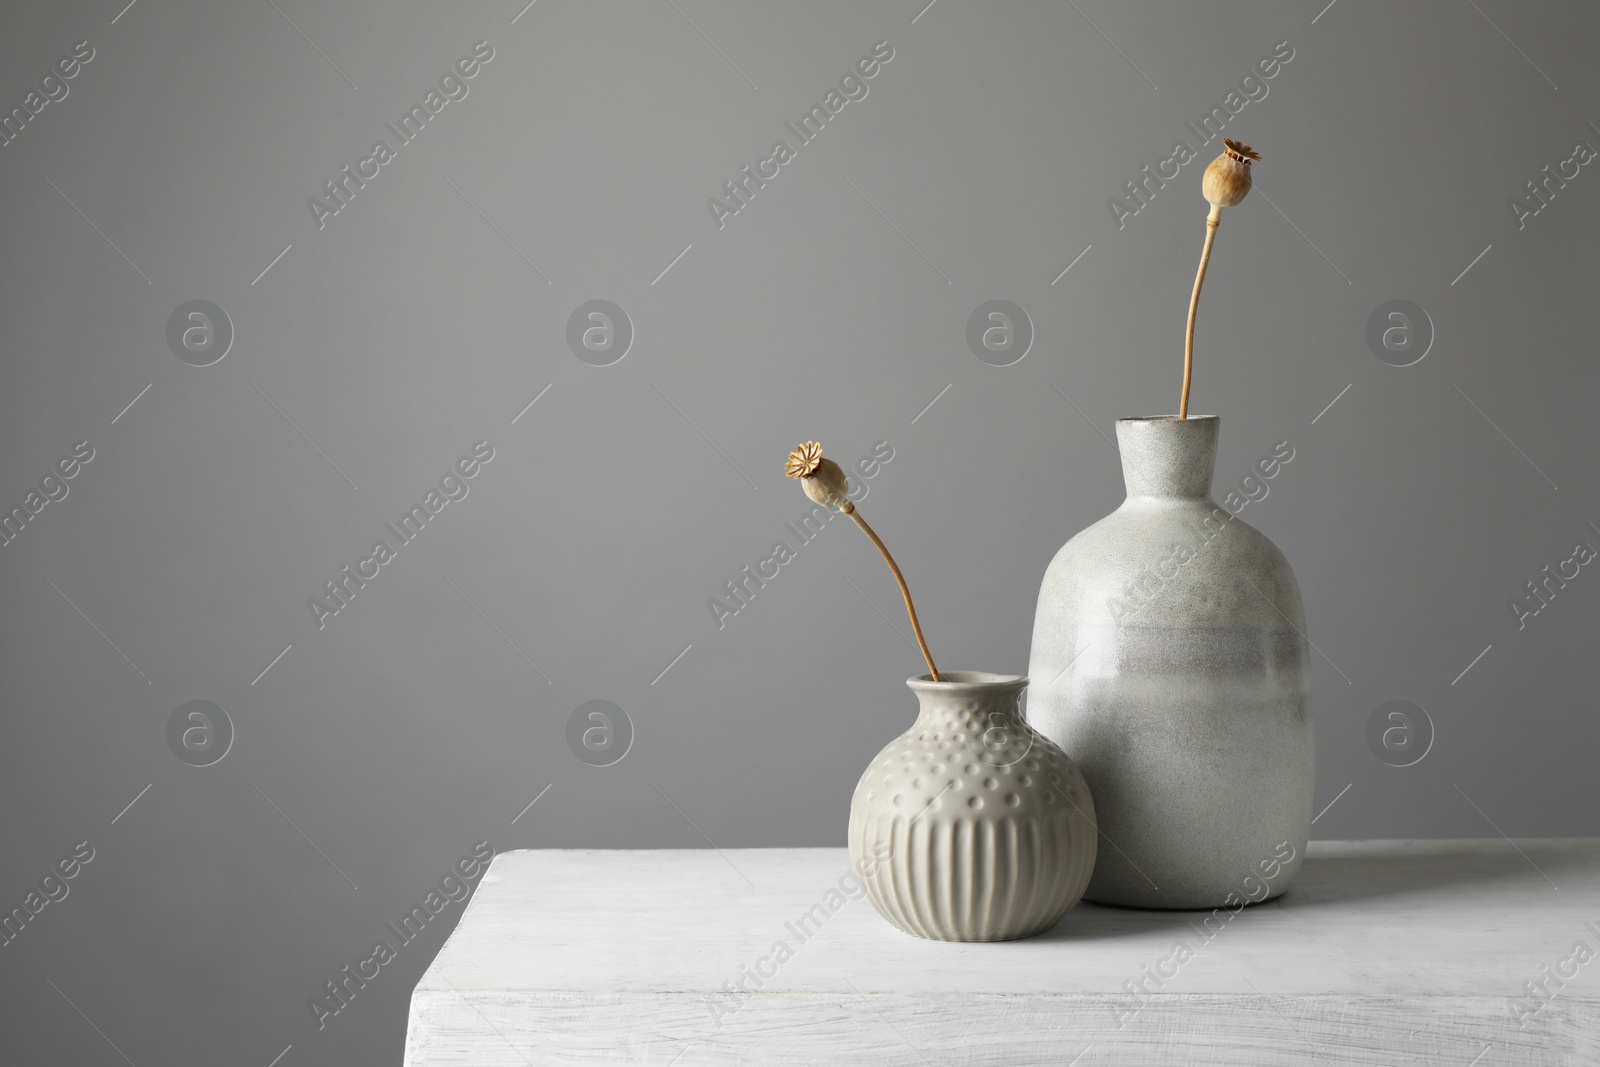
1170	659
971	826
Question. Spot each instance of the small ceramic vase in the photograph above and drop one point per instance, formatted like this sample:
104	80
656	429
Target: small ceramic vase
972	826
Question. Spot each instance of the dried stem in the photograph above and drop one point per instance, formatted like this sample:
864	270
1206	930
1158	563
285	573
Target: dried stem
904	592
1212	221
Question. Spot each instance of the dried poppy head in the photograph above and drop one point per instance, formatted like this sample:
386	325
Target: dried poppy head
823	480
1227	179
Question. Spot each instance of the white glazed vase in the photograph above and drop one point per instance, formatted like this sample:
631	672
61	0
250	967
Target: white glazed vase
1174	638
972	826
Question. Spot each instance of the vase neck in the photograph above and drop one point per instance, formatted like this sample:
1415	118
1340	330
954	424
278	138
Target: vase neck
1167	457
970	706
974	716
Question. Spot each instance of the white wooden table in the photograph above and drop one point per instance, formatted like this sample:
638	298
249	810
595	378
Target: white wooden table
1383	952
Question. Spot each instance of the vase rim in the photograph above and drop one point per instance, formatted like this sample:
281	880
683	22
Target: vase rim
1169	418
954	681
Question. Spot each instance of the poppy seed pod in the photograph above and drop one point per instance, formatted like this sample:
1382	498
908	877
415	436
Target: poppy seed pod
823	480
1227	179
828	486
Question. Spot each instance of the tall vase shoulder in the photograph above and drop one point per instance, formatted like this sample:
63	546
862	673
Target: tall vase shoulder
1191	565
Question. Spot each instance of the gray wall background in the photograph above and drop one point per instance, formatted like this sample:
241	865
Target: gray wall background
431	310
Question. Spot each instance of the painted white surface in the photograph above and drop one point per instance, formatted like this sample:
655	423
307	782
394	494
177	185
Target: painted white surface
1382	952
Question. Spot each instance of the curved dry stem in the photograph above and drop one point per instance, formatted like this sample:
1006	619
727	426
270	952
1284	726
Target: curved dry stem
904	592
1212	221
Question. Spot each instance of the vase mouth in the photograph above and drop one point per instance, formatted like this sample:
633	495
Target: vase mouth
967	681
1169	418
